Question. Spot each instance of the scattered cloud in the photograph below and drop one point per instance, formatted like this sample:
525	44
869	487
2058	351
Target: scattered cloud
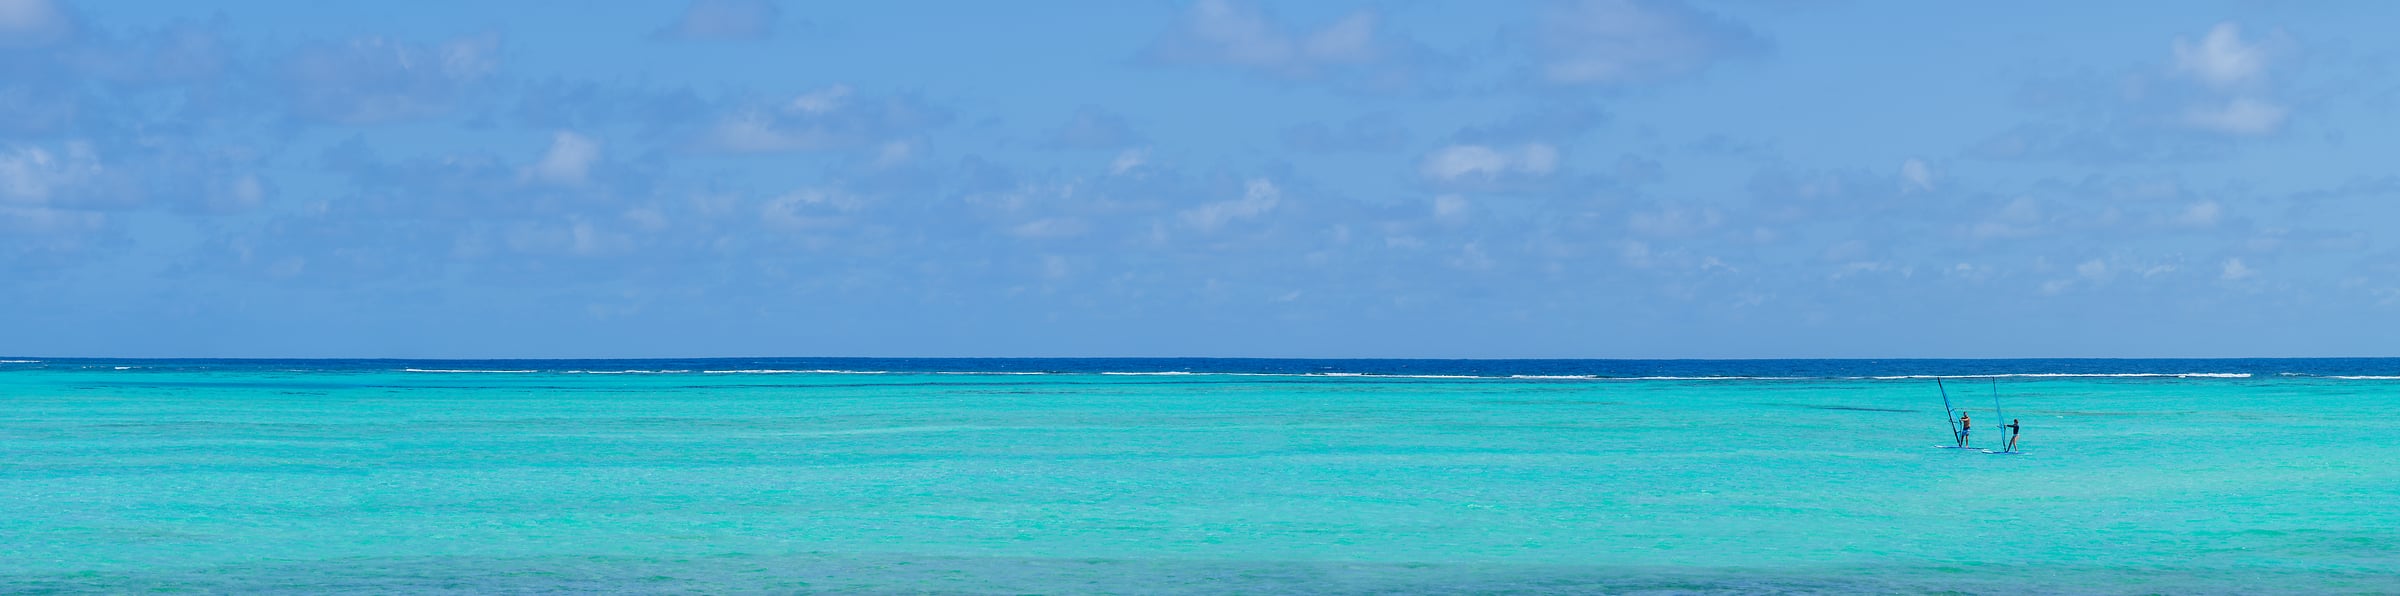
1094	128
2234	270
2200	215
821	101
2222	59
2235	71
1915	176
1229	33
35	175
723	20
809	209
1554	123
2239	116
2213	95
1480	162
370	80
825	119
1354	53
1127	160
1619	42
1369	133
1451	208
110	134
82	174
33	23
2095	270
569	159
1258	197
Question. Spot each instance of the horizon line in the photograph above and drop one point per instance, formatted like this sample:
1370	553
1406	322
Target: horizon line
1328	358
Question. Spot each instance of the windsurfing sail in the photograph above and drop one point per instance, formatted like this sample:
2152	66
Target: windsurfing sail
2006	442
1949	413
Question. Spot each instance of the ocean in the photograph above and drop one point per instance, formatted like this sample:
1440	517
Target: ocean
1157	476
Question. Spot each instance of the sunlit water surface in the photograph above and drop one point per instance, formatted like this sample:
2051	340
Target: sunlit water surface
1291	476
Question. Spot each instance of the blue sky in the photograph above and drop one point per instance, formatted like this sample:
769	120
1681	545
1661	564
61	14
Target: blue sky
1331	179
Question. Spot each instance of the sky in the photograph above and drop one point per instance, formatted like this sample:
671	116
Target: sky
1570	179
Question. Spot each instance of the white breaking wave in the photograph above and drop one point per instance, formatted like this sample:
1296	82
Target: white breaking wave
1345	375
2203	375
20	362
1606	378
2366	377
780	371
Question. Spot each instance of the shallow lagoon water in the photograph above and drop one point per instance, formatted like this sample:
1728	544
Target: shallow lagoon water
1248	476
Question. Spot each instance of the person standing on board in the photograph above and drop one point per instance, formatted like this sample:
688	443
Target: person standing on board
2013	428
1965	425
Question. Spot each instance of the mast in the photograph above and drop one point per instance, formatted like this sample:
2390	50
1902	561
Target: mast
1999	418
1948	413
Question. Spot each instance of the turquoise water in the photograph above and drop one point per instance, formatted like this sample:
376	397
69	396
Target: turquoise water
373	478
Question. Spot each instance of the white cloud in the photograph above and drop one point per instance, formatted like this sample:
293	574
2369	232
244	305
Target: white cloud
1450	208
2200	215
2221	59
726	20
1128	160
647	218
1049	227
375	79
242	193
895	153
1094	128
2093	269
45	220
825	119
1914	176
2237	70
822	100
2234	270
29	23
569	159
1258	197
1676	220
756	133
2241	115
1611	42
1232	34
1481	161
1472	257
1055	267
1349	40
809	209
34	175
